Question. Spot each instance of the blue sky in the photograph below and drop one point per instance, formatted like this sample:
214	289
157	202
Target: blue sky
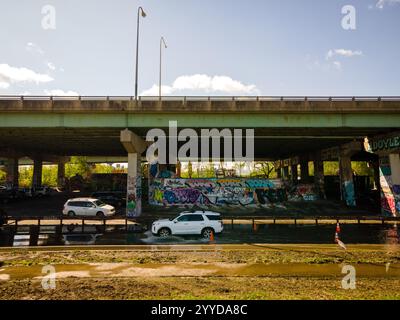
215	47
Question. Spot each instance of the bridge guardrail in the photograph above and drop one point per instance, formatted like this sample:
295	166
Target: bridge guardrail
200	98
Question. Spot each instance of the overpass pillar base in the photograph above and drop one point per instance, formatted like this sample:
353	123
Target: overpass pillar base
346	179
294	173
319	175
12	174
135	146
304	171
61	174
134	186
389	173
37	173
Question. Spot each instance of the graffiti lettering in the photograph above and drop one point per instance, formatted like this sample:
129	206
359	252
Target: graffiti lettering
256	184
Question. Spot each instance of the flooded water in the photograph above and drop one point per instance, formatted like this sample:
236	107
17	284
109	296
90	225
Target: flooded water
24	236
101	270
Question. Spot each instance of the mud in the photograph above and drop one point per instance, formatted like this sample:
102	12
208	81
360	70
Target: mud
202	272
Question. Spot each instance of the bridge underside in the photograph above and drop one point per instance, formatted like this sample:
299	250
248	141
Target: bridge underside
292	132
271	143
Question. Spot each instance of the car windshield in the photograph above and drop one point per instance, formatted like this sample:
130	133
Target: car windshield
173	218
99	203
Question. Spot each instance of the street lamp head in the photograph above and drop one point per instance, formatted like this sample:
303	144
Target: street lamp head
142	12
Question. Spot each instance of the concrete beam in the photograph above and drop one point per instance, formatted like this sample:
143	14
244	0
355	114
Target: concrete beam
132	142
206	104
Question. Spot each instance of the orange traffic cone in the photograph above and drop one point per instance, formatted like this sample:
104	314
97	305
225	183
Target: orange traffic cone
212	236
255	227
337	227
336	237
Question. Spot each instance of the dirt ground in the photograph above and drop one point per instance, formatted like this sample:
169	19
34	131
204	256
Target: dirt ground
202	272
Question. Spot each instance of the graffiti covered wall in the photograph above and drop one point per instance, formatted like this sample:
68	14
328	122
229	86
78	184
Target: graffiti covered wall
390	191
226	191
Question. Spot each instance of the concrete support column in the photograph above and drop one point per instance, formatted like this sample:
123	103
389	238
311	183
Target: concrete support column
294	173
375	166
389	171
304	171
279	173
12	173
285	173
61	174
178	169
135	146
319	175
346	179
134	186
37	173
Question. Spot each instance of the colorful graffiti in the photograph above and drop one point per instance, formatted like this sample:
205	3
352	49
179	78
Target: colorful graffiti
390	192
349	193
305	192
220	192
134	196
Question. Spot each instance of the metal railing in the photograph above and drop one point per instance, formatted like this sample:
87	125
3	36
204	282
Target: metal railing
198	98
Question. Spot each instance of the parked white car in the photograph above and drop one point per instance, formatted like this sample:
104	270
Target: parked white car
200	222
87	207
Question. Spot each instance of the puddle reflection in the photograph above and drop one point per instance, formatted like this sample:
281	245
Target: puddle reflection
23	236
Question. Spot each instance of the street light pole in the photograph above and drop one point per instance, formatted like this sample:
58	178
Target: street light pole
162	42
140	11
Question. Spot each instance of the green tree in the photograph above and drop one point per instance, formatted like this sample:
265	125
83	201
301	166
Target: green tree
361	168
208	171
264	169
25	176
77	166
49	175
331	168
2	176
103	168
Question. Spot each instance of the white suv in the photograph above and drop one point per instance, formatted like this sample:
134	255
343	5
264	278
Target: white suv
199	222
87	207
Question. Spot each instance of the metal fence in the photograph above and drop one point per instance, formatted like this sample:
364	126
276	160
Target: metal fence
198	98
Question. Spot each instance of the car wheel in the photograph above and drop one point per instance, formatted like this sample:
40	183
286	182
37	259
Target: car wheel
71	214
207	232
164	232
100	214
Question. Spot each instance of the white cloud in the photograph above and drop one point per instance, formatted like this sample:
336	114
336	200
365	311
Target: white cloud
381	3
343	53
60	92
51	66
4	85
10	75
337	65
201	83
34	48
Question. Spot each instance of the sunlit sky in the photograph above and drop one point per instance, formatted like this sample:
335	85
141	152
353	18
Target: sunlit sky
215	47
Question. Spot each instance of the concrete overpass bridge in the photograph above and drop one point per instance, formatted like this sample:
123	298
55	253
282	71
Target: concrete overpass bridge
289	130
